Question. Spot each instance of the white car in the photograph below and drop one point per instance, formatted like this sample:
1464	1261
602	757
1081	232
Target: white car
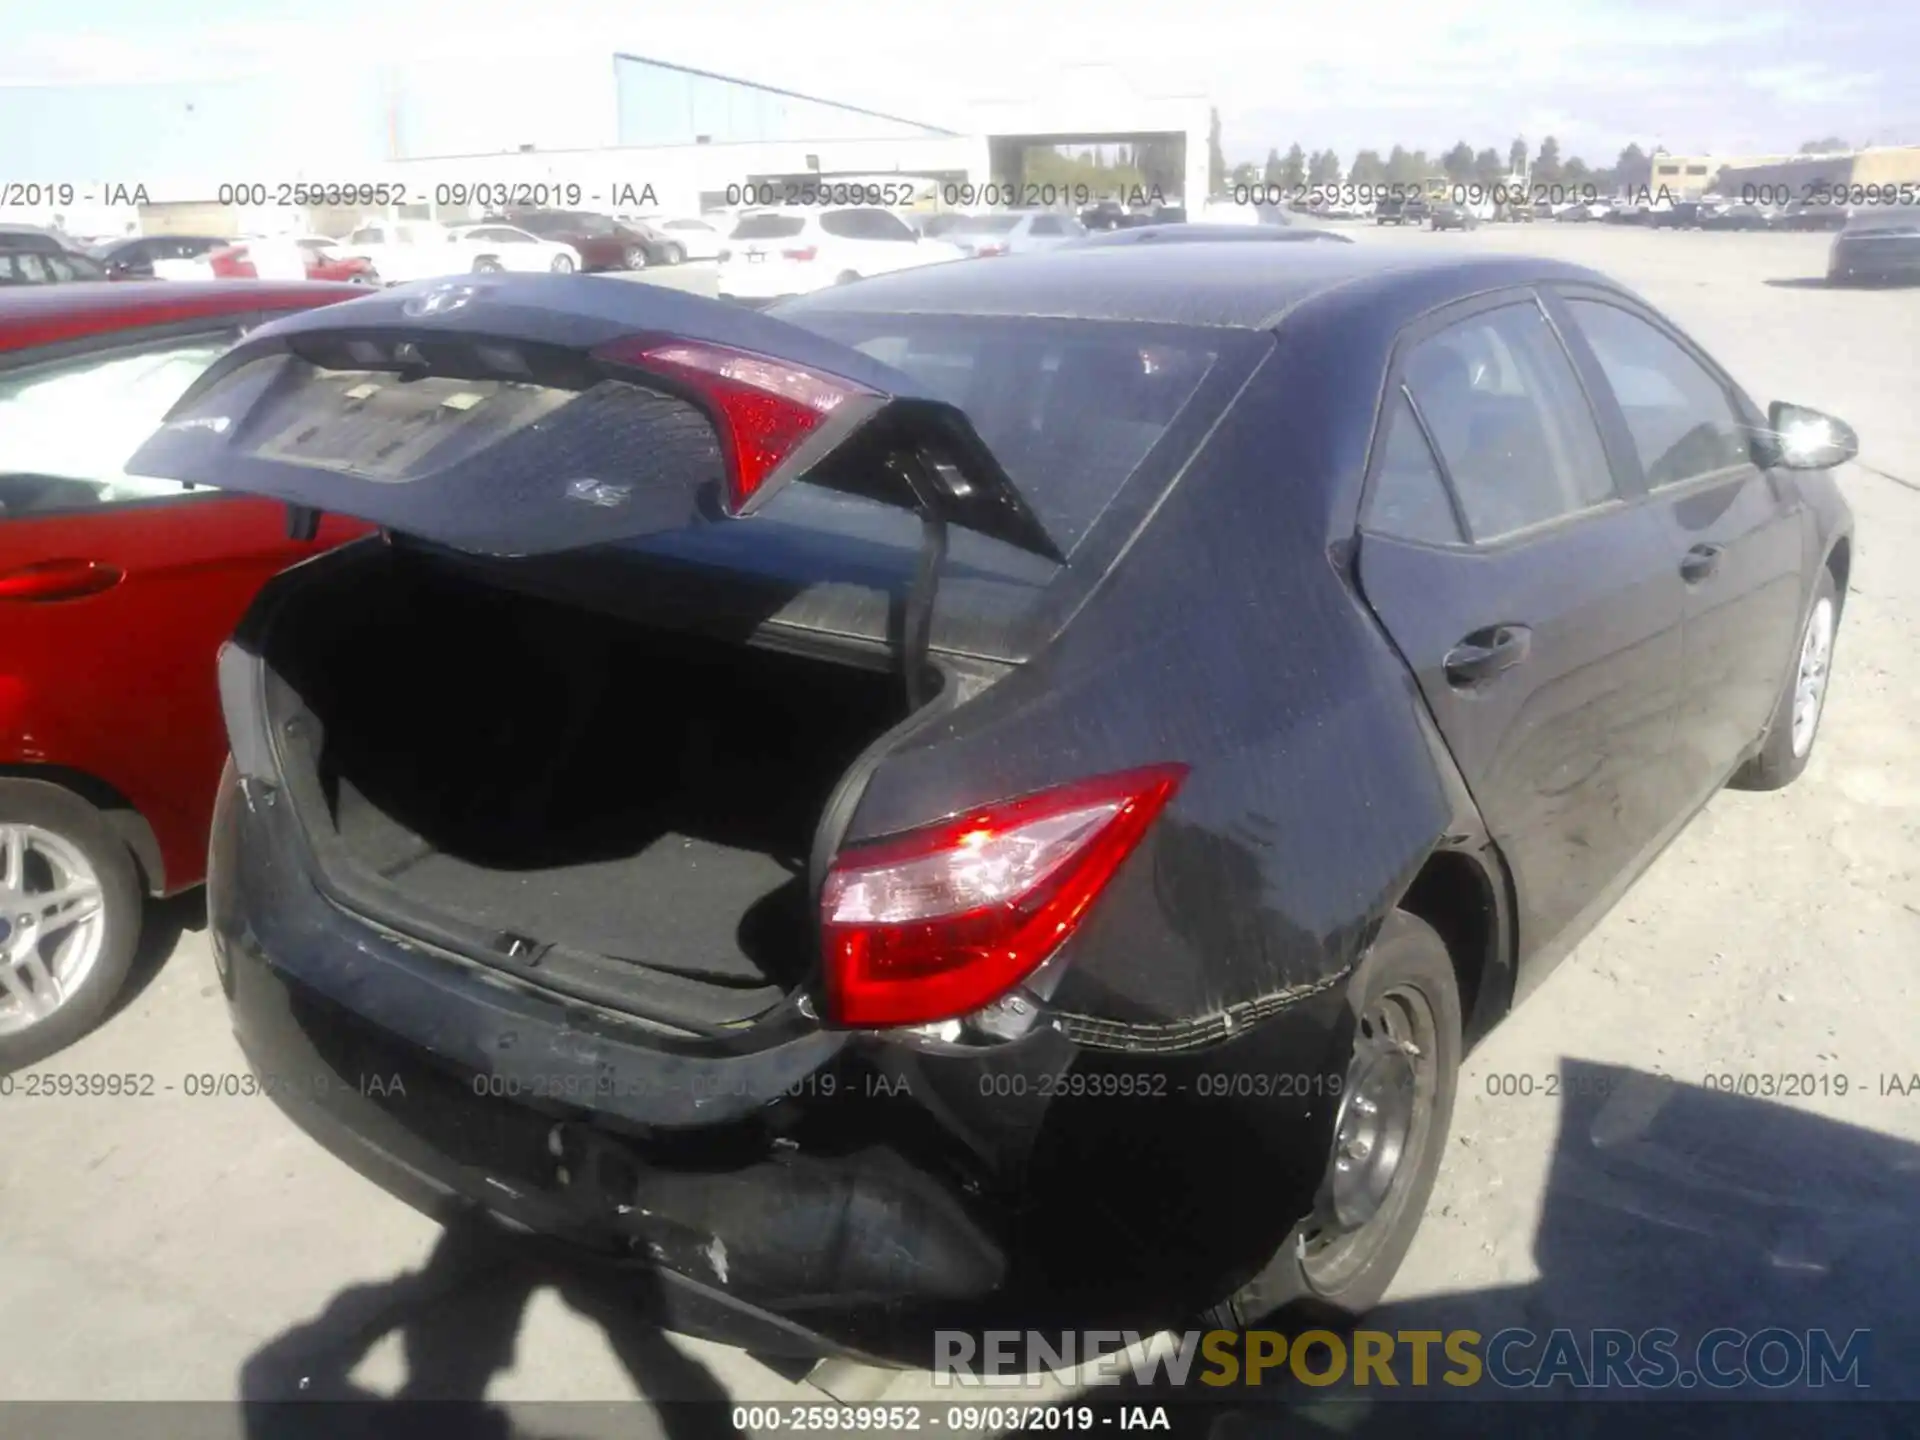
697	239
403	250
508	247
775	253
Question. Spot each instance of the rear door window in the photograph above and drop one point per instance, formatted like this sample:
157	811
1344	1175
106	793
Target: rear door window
1504	405
1409	499
865	225
1681	419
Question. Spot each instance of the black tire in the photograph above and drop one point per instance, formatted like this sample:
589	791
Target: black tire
1777	766
562	265
676	254
635	257
846	277
487	265
1408	956
66	815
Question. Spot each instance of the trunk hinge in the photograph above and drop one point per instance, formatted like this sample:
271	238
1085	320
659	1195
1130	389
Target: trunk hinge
303	522
916	628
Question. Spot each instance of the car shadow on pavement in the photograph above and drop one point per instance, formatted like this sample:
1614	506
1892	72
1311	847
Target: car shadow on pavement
459	1318
1668	1206
162	924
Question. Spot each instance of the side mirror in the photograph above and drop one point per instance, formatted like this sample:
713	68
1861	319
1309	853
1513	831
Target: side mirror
1800	438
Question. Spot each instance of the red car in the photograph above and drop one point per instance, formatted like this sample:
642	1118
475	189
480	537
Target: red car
115	595
319	257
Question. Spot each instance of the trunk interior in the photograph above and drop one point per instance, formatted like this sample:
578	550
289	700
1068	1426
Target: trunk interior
547	772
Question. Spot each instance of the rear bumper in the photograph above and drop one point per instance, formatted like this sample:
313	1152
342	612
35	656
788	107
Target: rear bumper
826	1195
1882	261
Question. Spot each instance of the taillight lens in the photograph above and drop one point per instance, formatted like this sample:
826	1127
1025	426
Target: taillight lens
232	263
802	252
763	408
991	247
937	923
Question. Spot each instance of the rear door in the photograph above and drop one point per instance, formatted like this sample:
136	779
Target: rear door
1738	537
116	590
1535	603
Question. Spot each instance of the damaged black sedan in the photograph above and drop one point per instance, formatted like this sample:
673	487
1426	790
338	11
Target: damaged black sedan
1000	793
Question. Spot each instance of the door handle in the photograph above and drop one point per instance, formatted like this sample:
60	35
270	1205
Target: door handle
1700	562
59	580
1485	653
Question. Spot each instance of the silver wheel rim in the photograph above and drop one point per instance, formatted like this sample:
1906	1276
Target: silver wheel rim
1810	682
562	265
53	924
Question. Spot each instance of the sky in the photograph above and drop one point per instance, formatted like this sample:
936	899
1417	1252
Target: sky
1693	75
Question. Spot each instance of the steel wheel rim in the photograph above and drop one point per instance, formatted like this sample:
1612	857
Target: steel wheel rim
1380	1133
53	924
1810	679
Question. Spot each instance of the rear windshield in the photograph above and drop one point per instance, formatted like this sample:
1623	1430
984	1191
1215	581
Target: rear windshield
767	227
985	225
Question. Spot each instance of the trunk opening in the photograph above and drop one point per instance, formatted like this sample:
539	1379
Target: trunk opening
562	777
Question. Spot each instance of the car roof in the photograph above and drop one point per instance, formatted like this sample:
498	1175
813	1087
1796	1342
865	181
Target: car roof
44	314
1228	283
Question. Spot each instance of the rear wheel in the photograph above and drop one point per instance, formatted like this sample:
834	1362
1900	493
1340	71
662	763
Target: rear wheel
1389	1134
562	265
636	257
487	265
676	254
1796	719
69	919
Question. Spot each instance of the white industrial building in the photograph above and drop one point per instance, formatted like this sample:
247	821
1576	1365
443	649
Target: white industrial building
633	134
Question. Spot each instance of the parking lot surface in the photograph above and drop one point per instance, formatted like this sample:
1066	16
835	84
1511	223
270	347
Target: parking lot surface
1708	1116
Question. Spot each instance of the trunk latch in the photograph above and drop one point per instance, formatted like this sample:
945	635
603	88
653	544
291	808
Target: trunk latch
523	948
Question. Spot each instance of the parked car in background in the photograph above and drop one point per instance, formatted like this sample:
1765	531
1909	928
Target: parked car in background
1879	244
1738	215
1676	215
290	257
508	247
1103	215
115	593
698	239
403	250
1584	212
1013	232
1229	212
601	242
1144	798
158	257
1449	215
1400	210
1191	233
774	253
32	256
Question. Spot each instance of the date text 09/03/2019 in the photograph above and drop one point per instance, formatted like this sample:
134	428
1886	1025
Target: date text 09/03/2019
621	195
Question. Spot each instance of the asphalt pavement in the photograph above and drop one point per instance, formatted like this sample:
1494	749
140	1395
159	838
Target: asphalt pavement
1601	1171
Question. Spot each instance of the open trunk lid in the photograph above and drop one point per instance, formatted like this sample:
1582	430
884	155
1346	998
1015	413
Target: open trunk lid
516	416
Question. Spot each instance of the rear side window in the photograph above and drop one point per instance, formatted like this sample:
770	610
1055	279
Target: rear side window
1409	498
1505	408
1682	422
768	227
68	429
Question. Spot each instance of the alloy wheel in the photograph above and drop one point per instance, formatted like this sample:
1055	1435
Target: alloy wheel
52	924
1810	681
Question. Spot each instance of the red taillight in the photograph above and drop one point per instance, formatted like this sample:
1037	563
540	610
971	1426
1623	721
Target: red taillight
991	247
763	408
804	252
233	263
937	923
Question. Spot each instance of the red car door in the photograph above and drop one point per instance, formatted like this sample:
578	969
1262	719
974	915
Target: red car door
116	592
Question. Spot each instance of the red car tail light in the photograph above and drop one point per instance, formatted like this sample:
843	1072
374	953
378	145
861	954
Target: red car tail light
990	247
937	923
803	253
233	263
763	408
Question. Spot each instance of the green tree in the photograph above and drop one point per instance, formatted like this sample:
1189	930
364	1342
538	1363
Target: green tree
1546	165
1275	174
1832	145
1244	173
1487	169
1216	157
1577	172
1294	172
1324	168
1517	155
1633	169
1458	163
1368	169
